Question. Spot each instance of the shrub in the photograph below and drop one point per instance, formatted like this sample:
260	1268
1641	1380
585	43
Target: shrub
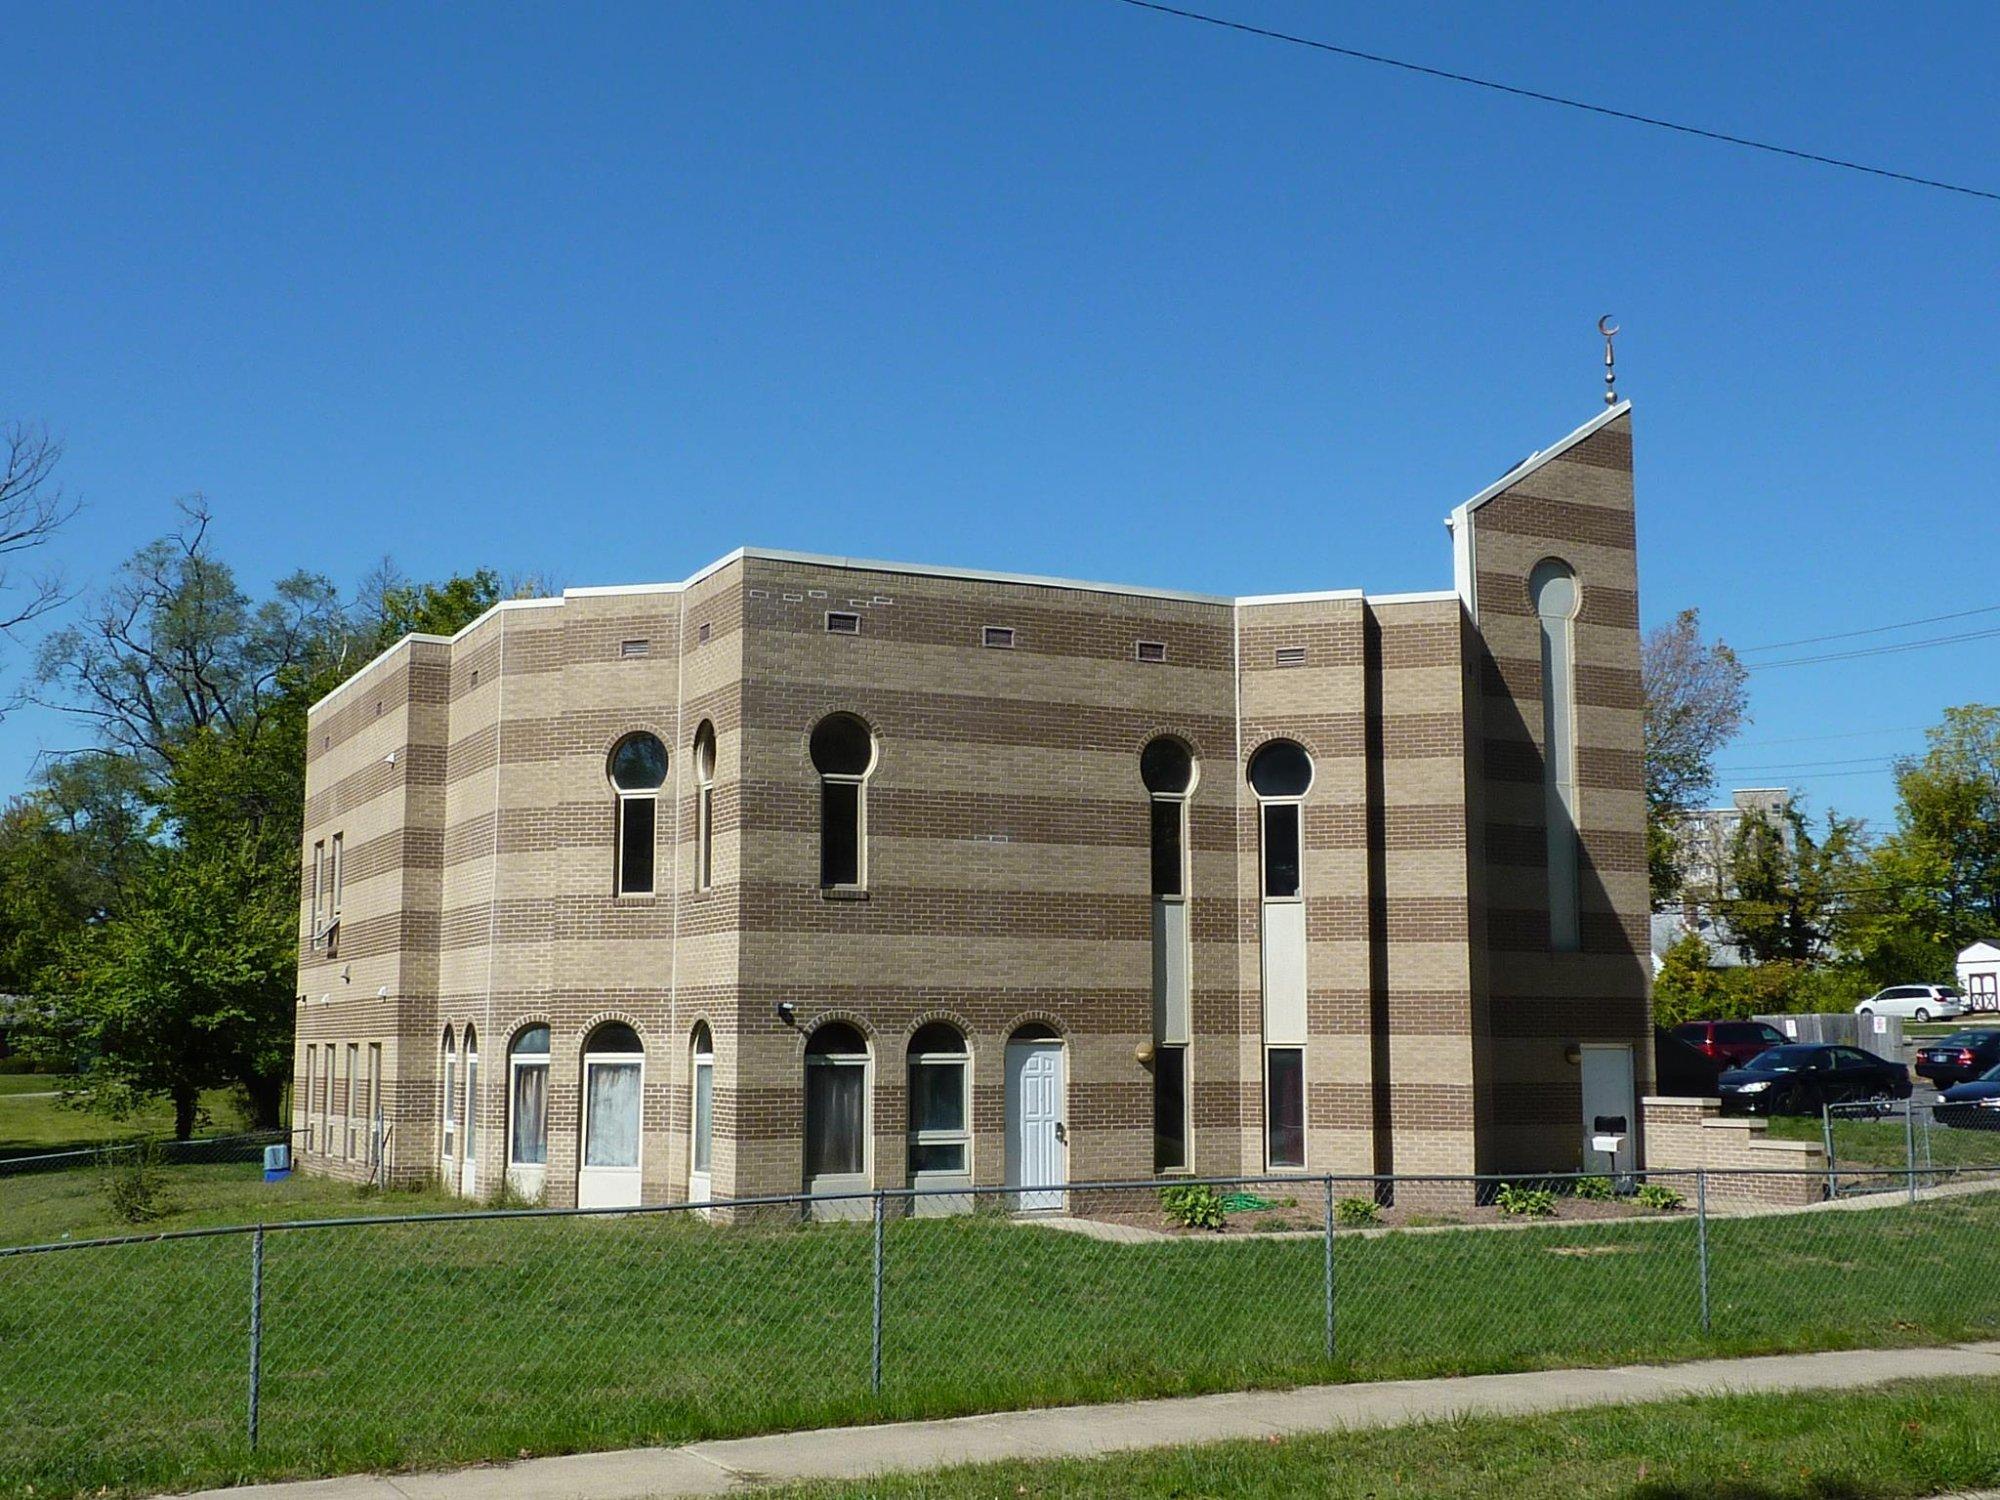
135	1181
1529	1202
1595	1189
1655	1196
1357	1211
1197	1206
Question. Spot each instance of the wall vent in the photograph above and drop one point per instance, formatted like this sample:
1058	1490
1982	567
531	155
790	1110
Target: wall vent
629	649
999	637
701	633
1291	656
842	622
1152	651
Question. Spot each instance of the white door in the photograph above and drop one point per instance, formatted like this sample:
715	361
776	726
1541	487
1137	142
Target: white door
1037	1138
1610	1116
609	1174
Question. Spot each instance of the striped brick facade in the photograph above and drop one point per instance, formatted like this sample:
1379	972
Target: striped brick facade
1007	874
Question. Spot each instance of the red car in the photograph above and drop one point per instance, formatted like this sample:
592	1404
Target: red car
1730	1044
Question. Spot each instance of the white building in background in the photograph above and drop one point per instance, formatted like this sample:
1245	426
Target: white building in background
1706	839
1979	974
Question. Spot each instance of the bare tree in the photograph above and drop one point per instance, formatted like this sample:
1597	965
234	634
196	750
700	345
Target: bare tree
1695	704
33	509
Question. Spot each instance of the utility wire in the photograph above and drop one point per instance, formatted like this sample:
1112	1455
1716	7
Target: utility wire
1851	734
1567	103
1801	765
1860	651
1844	635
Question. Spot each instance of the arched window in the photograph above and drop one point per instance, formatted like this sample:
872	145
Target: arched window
528	1098
638	768
702	1113
940	1135
1166	766
614	1063
448	1074
836	1107
471	1095
704	806
1281	772
843	752
1553	588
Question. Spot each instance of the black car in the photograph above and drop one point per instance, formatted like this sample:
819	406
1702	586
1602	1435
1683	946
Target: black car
1798	1079
1958	1058
1974	1105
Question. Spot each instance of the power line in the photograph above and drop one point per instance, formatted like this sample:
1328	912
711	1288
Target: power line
1860	651
1843	635
1567	103
1850	734
1800	765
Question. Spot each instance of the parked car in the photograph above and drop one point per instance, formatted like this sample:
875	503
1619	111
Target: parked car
1959	1058
1973	1105
1731	1043
1799	1078
1914	1002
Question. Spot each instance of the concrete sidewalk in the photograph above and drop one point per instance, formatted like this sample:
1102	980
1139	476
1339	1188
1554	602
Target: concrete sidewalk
721	1468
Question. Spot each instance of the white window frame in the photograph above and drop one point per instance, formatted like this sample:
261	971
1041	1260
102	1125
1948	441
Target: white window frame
518	1063
338	861
625	797
326	1099
1560	791
836	1182
961	1137
448	1136
859	781
1296	898
375	1113
353	1070
312	1075
584	1166
701	1179
317	922
1305	1110
704	807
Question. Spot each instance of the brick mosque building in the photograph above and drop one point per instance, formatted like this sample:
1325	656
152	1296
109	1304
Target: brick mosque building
815	873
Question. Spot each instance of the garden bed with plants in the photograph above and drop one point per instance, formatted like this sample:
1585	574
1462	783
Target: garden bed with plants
1197	1209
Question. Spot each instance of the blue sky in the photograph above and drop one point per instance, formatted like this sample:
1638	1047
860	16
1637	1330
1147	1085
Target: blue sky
603	292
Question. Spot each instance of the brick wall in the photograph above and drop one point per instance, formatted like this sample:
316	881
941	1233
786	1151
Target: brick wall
1691	1134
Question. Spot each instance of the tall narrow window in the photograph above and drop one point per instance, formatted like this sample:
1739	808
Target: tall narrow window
449	1139
843	752
701	1114
1281	773
940	1139
328	1142
339	873
352	1098
1553	586
312	1078
836	1107
528	1098
638	769
1166	766
319	889
471	1095
375	1133
704	806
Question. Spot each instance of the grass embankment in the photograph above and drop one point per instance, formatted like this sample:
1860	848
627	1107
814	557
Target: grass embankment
1859	1143
394	1345
32	1120
1918	1438
39	1208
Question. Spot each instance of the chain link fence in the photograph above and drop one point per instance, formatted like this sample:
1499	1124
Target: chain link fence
214	1150
1900	1145
203	1356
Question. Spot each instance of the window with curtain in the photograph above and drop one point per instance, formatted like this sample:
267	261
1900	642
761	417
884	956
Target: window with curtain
836	1101
703	1113
471	1093
638	770
613	1066
450	1077
704	806
528	1098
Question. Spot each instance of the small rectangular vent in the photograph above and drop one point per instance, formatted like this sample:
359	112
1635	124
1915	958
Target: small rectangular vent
629	649
1291	656
701	634
841	622
1152	651
1000	637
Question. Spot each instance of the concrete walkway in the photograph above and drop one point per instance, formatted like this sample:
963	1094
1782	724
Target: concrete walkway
739	1464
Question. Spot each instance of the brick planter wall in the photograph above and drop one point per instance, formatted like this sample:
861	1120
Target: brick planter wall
1684	1135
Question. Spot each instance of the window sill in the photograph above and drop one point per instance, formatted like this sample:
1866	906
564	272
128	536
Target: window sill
843	893
635	898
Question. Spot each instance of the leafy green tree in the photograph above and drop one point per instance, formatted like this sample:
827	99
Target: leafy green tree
1786	887
1695	702
1933	884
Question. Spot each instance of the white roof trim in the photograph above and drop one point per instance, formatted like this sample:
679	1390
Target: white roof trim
981	575
1422	596
1535	461
1317	596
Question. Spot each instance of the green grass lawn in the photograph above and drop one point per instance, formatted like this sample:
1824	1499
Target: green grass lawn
38	1208
1885	1143
414	1344
34	1124
1912	1439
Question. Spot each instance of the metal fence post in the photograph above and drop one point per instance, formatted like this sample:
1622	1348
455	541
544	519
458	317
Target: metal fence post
1832	1162
1910	1143
1701	1237
875	1365
1329	1267
256	1327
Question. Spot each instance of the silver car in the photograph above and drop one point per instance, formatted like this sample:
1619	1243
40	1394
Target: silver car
1914	1002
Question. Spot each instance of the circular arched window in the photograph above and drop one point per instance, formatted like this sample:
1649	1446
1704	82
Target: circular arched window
1281	768
639	763
842	746
1166	766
